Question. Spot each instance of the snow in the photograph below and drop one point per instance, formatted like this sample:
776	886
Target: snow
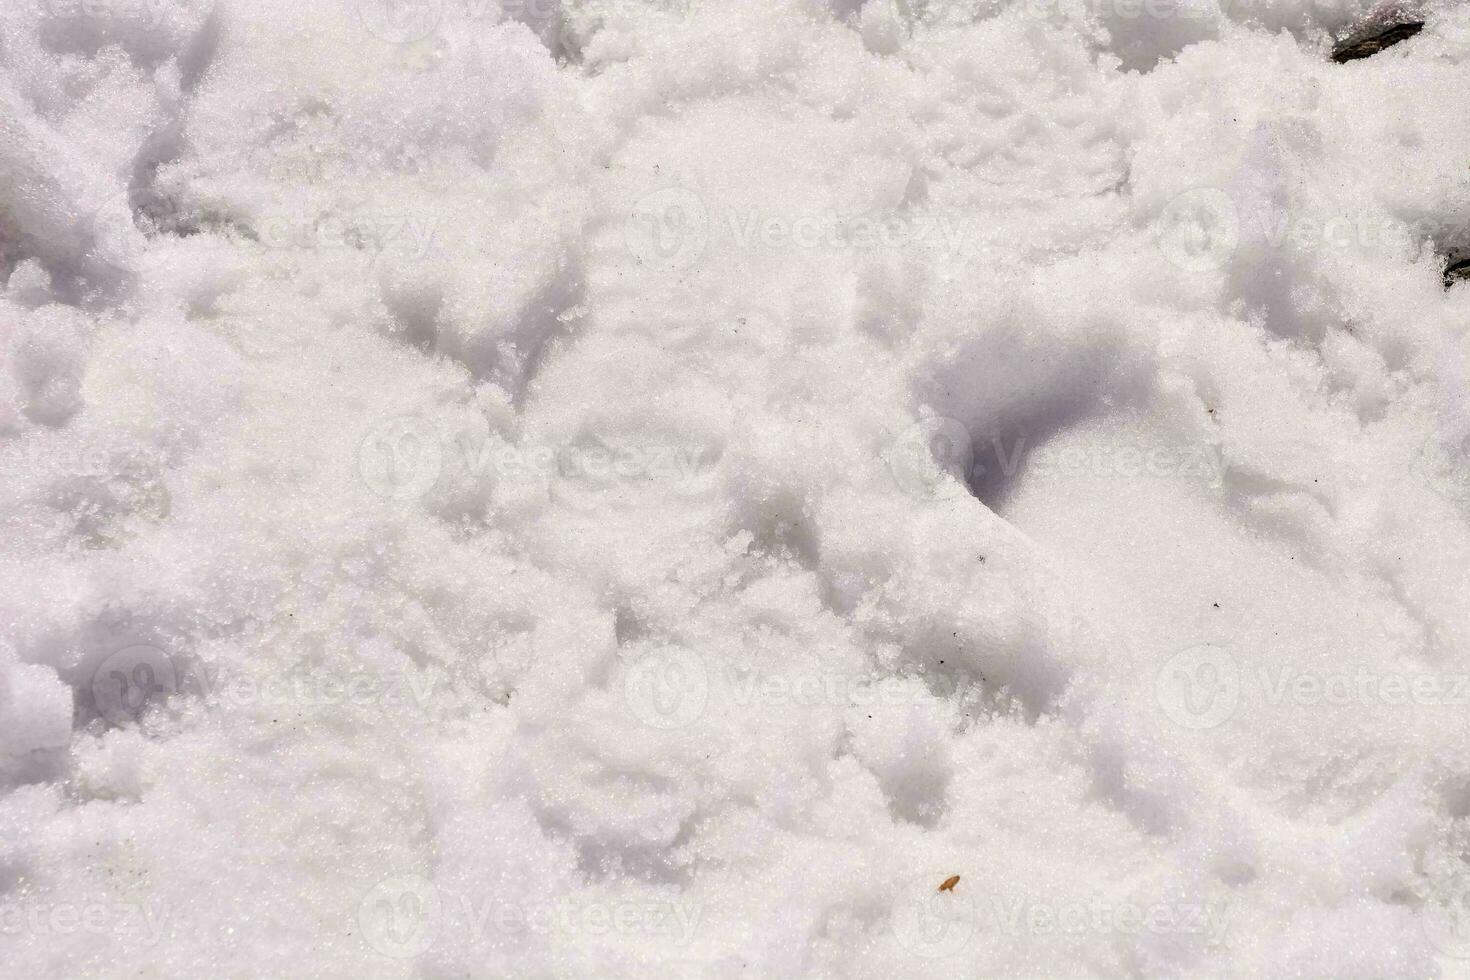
606	488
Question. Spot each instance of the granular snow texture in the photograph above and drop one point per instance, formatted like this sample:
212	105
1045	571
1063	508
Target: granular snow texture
654	488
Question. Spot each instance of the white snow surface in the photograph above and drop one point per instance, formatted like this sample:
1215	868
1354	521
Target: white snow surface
652	488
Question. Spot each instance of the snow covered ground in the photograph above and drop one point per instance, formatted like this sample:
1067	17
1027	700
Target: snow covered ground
619	488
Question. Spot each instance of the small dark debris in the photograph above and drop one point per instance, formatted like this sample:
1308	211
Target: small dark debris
1457	271
1215	604
1365	46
